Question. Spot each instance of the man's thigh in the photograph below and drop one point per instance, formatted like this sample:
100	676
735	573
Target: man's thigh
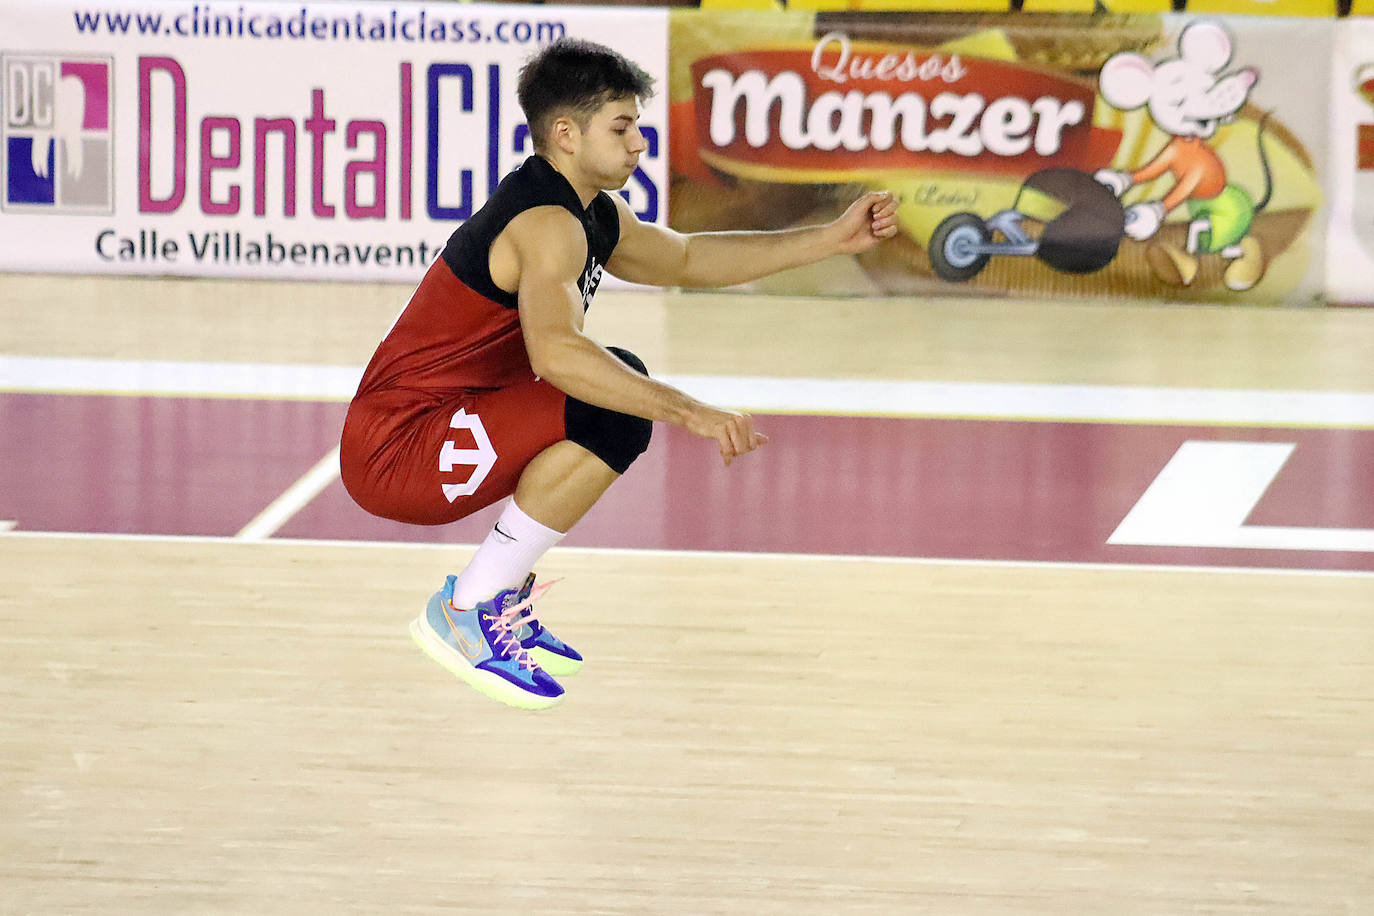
449	458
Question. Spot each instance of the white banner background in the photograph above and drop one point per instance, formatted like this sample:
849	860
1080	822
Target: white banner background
1350	239
102	175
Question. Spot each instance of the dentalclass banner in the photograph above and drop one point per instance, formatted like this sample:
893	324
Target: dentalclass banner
1146	157
293	141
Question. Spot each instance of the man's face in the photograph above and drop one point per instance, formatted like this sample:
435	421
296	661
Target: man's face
611	145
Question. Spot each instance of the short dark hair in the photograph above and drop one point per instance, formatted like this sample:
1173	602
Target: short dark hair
575	76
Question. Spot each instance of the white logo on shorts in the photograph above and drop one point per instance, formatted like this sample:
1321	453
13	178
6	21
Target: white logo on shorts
482	458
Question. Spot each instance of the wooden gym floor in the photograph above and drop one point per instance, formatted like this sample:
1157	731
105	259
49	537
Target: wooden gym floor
238	723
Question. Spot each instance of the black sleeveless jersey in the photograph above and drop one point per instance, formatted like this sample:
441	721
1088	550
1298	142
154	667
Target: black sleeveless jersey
459	330
536	183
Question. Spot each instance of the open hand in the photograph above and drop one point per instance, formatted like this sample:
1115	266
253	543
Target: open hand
733	431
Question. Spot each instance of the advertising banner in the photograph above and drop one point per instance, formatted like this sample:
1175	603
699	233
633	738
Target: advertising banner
1149	156
1350	241
287	140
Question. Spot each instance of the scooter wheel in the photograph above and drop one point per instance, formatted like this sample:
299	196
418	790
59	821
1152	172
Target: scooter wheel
956	247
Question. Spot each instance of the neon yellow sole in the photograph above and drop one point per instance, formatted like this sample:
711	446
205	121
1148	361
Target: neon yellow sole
484	682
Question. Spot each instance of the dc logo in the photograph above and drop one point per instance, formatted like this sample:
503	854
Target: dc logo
58	141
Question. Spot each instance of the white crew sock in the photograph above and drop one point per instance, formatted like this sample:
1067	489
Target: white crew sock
511	549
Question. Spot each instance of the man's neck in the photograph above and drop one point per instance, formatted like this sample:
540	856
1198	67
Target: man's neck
563	166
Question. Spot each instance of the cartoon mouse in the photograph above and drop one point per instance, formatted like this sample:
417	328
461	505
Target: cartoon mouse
1188	97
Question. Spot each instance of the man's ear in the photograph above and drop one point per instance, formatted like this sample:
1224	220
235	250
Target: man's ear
565	134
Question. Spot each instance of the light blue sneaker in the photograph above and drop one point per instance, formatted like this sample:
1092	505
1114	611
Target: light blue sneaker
553	654
482	648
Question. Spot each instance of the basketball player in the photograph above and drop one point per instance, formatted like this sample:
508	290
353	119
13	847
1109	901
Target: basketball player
486	387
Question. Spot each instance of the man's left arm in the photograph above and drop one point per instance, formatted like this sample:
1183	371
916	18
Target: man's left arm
657	256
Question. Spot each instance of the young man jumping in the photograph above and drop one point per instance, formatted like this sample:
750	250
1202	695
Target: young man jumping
490	350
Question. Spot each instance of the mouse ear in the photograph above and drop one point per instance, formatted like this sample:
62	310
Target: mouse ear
1126	80
1206	44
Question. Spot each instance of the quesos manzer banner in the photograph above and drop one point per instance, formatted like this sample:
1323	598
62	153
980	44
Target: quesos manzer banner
1149	157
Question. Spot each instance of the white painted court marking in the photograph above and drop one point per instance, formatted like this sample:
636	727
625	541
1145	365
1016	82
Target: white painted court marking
171	378
294	499
1208	489
8	524
724	555
847	397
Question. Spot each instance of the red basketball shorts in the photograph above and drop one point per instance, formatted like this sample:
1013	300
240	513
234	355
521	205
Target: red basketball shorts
429	459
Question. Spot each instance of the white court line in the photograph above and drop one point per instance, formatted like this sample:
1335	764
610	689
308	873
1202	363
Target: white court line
1205	493
165	377
707	554
295	498
7	524
1023	401
852	397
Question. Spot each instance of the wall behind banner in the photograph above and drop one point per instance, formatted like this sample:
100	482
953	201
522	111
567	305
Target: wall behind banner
1350	241
285	140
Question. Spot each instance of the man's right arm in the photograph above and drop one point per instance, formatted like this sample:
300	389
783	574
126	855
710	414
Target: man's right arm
550	251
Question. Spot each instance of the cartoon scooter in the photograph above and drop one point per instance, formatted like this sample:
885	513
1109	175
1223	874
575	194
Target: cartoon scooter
1188	97
1080	227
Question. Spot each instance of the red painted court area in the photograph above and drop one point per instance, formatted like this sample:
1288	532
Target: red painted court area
937	488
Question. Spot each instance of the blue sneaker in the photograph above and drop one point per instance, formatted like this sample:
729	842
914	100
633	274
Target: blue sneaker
553	654
482	648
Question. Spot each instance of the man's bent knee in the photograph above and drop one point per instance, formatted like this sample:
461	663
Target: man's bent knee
616	438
